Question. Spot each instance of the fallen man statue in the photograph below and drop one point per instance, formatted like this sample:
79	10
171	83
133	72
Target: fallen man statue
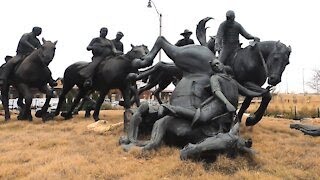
307	129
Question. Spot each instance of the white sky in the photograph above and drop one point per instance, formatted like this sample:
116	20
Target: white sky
75	22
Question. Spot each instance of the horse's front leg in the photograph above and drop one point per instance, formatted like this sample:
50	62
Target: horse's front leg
244	107
25	114
5	101
43	112
254	119
126	104
68	115
99	102
266	97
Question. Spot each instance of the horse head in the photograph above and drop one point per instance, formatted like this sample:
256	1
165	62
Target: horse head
47	51
137	52
277	61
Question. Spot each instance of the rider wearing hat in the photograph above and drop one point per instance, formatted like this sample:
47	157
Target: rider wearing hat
227	40
186	40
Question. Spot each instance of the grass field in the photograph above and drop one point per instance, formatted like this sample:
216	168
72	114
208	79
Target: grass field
292	105
67	150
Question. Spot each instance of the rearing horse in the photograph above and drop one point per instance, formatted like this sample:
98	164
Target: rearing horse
32	72
252	66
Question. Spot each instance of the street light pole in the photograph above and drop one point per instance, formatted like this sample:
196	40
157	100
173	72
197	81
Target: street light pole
150	3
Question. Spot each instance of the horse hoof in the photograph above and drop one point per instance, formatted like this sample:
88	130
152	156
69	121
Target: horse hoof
124	140
56	113
96	118
251	121
66	115
21	118
7	118
47	116
39	114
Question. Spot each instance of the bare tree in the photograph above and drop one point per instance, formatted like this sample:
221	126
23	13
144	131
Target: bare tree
314	83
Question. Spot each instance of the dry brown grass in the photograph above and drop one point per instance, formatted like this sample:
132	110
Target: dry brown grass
305	105
67	150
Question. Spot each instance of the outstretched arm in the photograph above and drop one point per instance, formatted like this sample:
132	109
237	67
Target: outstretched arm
245	34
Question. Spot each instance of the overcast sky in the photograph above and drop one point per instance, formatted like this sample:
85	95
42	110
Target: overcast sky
75	22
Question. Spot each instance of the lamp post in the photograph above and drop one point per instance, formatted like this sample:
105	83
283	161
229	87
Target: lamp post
150	3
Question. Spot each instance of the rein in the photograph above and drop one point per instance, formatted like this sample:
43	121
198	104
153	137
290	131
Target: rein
263	61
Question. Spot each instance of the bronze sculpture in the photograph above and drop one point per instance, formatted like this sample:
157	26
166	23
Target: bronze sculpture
117	43
111	74
227	39
307	129
101	48
229	142
186	38
253	66
32	72
27	44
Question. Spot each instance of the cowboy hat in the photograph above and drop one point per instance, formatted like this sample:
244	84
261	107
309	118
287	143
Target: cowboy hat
185	32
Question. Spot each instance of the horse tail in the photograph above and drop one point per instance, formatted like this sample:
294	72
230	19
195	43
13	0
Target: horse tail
201	31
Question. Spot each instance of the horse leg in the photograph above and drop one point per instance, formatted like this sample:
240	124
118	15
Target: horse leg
80	95
147	87
99	102
62	98
20	101
135	94
21	104
162	85
244	107
161	43
5	101
43	112
26	92
254	119
156	94
127	104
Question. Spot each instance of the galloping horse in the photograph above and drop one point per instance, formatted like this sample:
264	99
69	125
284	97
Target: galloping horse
252	66
32	72
111	74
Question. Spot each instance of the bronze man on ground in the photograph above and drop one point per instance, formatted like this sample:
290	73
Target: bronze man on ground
27	44
230	142
227	40
117	43
102	48
186	40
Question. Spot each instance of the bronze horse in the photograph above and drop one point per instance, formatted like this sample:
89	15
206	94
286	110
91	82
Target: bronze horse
252	66
32	72
111	74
